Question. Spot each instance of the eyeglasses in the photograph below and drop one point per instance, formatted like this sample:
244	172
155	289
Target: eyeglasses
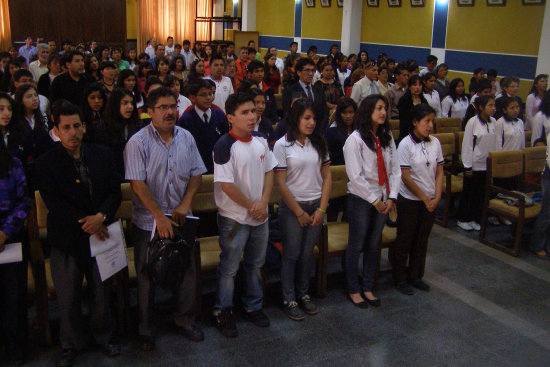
308	70
204	95
165	107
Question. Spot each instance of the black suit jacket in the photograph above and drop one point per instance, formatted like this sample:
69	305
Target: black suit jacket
68	200
319	105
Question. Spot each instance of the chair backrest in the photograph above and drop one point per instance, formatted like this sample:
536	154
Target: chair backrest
448	144
394	124
505	164
535	159
339	181
528	135
41	210
203	201
459	136
124	211
448	125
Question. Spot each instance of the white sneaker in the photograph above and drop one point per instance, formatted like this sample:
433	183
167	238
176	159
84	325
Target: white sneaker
466	226
493	220
475	226
505	221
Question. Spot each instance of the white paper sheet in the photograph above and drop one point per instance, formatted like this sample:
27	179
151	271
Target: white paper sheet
110	254
13	253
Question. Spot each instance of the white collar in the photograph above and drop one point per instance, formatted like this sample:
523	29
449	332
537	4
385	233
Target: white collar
201	113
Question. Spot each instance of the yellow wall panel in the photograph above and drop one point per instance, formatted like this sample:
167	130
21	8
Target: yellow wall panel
275	17
324	23
404	25
513	28
131	19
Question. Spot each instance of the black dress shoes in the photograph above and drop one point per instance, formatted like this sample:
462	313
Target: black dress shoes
420	284
372	302
192	333
362	304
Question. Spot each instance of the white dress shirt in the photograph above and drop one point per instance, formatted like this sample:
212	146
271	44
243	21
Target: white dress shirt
479	140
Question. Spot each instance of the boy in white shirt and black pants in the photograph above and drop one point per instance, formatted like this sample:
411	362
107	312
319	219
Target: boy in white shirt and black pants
243	179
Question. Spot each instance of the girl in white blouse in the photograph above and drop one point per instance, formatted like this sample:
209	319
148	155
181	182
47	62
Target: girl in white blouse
456	103
534	98
374	176
479	140
541	122
431	95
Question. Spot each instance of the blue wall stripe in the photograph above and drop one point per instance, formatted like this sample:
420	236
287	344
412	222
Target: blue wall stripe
521	66
398	53
323	46
282	43
236	9
298	18
439	32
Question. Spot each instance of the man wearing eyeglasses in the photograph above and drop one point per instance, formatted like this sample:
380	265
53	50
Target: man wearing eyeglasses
164	168
205	123
305	68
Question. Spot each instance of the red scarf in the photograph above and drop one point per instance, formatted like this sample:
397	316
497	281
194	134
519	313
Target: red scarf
382	174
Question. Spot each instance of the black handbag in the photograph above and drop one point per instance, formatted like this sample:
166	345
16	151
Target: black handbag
167	260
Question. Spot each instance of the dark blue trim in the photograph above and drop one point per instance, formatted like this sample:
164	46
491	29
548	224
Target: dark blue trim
523	67
298	18
282	43
236	9
439	32
398	53
323	46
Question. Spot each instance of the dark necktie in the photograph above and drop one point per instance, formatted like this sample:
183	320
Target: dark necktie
205	116
309	94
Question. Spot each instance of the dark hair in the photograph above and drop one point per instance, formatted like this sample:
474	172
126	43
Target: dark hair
431	58
177	45
6	84
312	48
303	62
158	93
481	102
173	63
40	121
421	110
483	84
299	107
492	72
161	59
253	65
252	50
452	90
341	106
107	64
478	70
216	56
293	43
255	92
267	70
125	74
235	100
144	54
504	103
193	71
251	41
427	76
413	80
69	56
246	85
363	122
400	68
195	86
151	81
144	65
545	104
64	108
86	110
507	80
6	159
21	73
114	122
186	42
16	133
537	78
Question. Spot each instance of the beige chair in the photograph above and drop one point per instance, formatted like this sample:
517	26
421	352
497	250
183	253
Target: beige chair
394	124
534	162
528	135
448	125
507	164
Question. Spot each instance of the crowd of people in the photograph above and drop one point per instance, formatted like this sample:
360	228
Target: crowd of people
77	123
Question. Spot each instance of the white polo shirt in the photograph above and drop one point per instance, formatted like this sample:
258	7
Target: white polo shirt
422	157
540	127
434	102
510	134
302	166
183	104
243	163
224	88
450	108
479	140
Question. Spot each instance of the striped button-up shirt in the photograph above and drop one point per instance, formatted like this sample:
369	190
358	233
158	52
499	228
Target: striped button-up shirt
14	204
166	170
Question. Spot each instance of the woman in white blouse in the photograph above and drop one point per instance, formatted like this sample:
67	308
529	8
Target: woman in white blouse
374	175
456	103
541	123
534	99
431	95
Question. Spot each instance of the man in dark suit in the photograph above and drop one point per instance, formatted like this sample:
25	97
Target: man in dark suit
206	124
305	68
81	188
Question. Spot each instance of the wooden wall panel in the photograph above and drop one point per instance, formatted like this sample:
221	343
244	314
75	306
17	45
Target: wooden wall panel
103	21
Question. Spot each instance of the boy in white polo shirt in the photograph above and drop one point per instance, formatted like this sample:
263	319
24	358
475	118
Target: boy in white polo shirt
243	179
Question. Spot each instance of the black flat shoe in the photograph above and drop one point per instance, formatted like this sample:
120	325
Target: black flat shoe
361	304
372	302
193	333
405	288
420	284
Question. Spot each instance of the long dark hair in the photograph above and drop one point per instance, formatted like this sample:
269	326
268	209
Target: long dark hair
40	122
173	63
363	122
298	109
15	134
537	78
125	74
86	110
545	104
114	123
267	69
193	71
341	107
452	90
6	84
5	159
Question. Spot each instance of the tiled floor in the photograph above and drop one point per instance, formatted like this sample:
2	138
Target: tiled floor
485	309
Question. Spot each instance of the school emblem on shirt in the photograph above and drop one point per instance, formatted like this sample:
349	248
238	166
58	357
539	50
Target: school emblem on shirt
262	158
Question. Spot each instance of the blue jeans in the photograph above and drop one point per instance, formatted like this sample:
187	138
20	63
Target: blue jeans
365	230
298	244
250	242
541	238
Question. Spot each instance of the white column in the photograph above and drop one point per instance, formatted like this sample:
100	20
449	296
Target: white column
543	62
351	26
249	15
218	12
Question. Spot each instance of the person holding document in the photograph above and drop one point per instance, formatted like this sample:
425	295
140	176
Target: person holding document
81	188
14	206
165	170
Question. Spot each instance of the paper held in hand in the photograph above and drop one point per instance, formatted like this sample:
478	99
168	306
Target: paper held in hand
110	254
13	253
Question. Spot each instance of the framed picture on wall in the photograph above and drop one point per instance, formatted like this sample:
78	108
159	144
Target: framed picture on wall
496	2
465	2
310	3
340	3
417	3
325	3
373	3
534	2
394	3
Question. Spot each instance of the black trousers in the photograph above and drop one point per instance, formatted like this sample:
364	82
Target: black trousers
68	277
414	224
471	199
13	309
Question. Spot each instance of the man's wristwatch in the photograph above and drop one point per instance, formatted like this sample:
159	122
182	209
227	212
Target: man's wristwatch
104	216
